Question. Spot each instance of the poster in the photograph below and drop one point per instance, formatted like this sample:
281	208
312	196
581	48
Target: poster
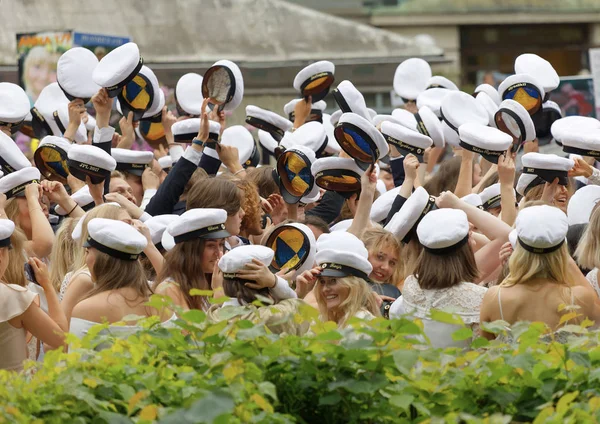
38	54
575	96
99	44
595	69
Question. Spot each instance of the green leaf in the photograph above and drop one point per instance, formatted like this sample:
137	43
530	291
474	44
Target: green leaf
402	401
198	292
446	317
211	406
462	334
405	360
194	315
330	399
480	342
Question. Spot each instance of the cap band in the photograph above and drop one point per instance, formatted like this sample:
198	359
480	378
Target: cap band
254	157
15	191
59	123
200	233
41	128
8	169
446	250
5	242
185	137
539	250
315	115
11	125
338	180
536	182
582	152
421	125
348	270
448	122
115	89
428	208
502	125
125	166
214	137
549	175
489	204
490	155
110	251
80	170
321	149
70	97
405	148
261	124
210	144
341	101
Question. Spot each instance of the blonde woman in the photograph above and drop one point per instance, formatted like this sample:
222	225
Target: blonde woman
63	252
78	283
112	250
588	251
342	291
541	278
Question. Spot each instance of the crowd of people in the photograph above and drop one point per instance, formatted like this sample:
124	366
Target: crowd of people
445	204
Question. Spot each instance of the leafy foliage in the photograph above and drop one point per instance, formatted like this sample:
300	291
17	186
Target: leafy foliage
374	372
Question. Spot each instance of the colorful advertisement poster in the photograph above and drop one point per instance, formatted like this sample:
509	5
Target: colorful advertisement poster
575	96
38	54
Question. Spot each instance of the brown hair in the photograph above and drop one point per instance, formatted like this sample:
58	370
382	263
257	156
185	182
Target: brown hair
445	178
263	178
113	273
15	272
251	223
215	193
236	289
317	222
184	267
490	180
535	193
436	272
199	174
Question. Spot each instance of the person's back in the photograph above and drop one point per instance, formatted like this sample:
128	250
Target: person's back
539	300
542	276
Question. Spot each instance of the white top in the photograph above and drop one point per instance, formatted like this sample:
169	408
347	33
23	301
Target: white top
464	299
67	280
592	277
80	327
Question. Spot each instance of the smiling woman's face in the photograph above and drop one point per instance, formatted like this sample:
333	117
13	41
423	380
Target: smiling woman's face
332	292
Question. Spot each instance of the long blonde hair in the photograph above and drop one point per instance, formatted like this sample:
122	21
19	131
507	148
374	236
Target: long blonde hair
102	211
359	297
377	240
588	250
525	266
63	252
15	272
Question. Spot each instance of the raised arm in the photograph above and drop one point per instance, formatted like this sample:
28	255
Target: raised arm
362	219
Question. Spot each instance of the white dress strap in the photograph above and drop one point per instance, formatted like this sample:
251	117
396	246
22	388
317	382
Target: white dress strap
500	304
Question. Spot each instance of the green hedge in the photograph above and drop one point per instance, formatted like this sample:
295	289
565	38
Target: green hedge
375	372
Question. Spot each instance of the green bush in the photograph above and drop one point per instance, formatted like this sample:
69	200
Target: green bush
375	372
